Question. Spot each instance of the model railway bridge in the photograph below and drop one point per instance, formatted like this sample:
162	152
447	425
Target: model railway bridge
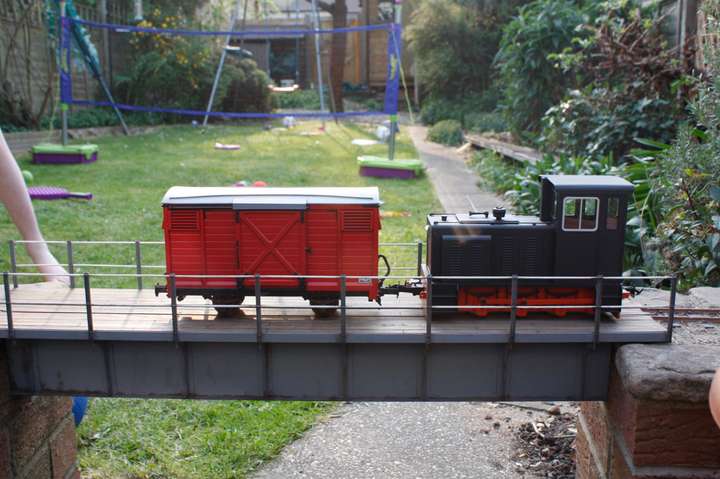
113	341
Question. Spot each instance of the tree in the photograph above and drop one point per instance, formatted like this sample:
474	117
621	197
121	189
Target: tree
338	48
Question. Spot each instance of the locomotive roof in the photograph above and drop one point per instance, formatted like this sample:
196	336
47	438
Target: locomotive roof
269	197
589	182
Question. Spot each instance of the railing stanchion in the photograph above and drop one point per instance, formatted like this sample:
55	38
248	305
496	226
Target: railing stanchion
598	310
428	309
173	306
13	263
71	263
671	311
428	335
419	257
258	310
343	309
343	334
8	307
513	308
88	307
138	265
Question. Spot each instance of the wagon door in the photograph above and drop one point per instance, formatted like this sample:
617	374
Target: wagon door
272	243
322	249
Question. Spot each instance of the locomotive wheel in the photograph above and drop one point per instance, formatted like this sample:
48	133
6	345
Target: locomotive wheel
324	313
221	299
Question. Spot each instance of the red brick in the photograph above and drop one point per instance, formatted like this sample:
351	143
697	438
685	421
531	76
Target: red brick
63	451
594	415
675	434
619	469
75	474
36	419
585	467
4	452
621	410
4	380
39	468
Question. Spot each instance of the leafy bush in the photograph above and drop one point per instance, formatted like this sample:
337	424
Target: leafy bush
462	110
247	88
485	122
603	122
633	84
454	43
446	132
298	100
686	187
187	64
531	80
439	109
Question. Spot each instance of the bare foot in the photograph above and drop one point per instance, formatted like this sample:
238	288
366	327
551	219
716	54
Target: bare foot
47	264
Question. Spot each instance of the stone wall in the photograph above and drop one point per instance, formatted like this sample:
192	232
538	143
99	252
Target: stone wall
656	422
37	434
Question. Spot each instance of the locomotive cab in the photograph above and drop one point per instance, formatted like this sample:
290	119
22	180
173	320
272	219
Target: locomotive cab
589	214
580	232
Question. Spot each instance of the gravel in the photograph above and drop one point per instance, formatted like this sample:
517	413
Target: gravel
408	440
686	332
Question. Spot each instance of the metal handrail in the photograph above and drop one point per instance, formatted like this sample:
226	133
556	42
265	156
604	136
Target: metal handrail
429	307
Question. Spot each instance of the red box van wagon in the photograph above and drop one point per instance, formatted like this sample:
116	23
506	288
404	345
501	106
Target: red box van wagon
272	231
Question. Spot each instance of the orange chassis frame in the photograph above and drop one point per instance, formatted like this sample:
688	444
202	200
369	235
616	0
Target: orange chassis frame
527	296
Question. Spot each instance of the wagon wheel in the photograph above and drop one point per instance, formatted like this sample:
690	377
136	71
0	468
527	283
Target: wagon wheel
324	313
227	298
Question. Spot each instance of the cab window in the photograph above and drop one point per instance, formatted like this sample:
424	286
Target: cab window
580	214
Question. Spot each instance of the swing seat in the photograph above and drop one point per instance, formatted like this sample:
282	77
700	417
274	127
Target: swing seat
48	153
380	167
284	89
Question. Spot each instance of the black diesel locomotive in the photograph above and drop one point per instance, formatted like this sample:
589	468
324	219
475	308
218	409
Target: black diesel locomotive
580	232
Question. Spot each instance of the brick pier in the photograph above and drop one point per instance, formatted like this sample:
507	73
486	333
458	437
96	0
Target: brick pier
656	422
37	434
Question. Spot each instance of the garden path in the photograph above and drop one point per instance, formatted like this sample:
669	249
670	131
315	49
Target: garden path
406	440
414	440
456	184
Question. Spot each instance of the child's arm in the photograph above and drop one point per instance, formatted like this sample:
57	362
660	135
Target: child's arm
15	197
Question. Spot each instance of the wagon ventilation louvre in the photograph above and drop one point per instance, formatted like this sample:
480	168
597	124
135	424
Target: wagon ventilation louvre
357	221
184	221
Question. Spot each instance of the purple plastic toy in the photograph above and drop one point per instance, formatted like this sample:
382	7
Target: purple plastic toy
387	172
62	159
55	193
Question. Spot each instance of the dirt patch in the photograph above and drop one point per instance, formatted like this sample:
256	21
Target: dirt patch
546	446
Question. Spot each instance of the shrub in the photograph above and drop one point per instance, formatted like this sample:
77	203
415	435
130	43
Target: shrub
439	109
530	79
178	72
604	122
446	132
485	122
633	85
454	43
459	109
247	88
686	184
298	100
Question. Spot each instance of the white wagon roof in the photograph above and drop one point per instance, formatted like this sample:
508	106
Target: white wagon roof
267	198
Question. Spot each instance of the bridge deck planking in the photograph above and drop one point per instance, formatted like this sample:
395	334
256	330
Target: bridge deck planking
57	312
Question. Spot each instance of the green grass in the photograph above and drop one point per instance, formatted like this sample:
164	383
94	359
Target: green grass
133	438
200	439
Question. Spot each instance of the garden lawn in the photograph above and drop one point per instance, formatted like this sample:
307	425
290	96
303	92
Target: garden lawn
200	439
